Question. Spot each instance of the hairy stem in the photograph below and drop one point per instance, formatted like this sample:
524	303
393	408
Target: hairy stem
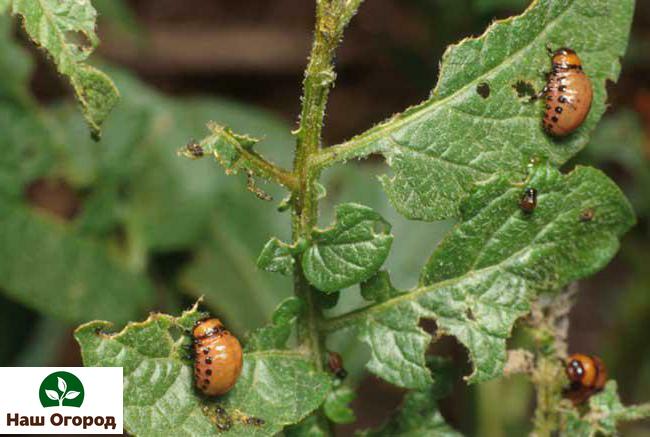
331	18
549	320
269	171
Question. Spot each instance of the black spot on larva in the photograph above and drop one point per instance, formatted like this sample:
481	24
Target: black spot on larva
558	109
554	119
524	89
208	372
549	98
562	88
483	89
548	106
206	350
562	99
206	382
208	360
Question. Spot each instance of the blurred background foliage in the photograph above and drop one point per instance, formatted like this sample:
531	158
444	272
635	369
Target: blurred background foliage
115	229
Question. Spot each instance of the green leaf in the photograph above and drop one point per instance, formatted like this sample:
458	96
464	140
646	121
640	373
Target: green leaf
280	387
276	256
66	30
57	272
441	147
483	275
378	288
310	427
605	412
336	406
350	251
4	5
418	416
275	335
15	64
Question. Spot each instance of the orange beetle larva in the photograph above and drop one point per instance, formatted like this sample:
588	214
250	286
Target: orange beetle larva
218	357
568	94
587	375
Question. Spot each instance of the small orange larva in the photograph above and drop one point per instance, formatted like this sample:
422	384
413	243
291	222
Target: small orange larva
218	357
568	94
587	375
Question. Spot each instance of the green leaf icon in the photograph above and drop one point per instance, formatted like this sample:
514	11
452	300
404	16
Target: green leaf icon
61	389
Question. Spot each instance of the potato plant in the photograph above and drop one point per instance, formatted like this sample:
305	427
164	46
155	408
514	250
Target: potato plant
467	154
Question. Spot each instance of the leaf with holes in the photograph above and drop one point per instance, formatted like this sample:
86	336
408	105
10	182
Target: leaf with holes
475	122
66	30
350	251
279	387
482	276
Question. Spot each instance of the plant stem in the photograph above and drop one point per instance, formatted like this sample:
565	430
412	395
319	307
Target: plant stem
331	18
268	170
549	320
549	380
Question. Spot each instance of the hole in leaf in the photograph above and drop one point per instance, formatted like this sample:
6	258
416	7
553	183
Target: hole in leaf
79	39
524	89
483	89
429	325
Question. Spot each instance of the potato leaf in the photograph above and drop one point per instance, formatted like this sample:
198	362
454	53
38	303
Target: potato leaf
483	275
479	118
66	30
278	386
350	251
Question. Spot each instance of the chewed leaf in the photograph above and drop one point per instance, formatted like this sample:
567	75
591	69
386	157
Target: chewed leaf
483	275
475	123
61	384
350	251
66	30
279	387
71	394
52	395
